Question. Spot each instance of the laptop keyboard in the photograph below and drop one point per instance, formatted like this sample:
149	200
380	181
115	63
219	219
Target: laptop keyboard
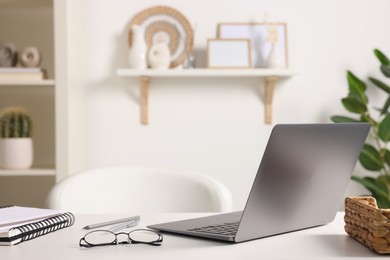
222	229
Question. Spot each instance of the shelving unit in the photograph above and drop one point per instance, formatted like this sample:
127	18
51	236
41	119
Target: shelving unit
24	92
19	20
36	171
270	77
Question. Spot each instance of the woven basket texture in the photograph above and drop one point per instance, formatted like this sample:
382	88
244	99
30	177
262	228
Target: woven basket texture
368	224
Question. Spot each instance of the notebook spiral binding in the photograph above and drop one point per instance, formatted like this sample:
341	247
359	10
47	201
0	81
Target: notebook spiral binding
43	227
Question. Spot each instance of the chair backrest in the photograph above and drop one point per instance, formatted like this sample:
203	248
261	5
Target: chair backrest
139	190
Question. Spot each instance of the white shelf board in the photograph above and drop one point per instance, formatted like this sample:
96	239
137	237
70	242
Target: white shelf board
125	72
28	172
26	4
45	82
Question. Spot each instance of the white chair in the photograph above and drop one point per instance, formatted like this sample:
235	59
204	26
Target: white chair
138	190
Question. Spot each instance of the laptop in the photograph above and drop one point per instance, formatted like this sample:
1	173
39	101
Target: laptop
300	183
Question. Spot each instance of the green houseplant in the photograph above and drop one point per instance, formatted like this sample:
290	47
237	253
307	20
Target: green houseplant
375	155
16	148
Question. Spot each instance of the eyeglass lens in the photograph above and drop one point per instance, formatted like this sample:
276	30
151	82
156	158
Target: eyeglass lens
101	237
144	236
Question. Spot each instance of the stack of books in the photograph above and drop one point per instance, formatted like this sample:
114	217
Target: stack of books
22	74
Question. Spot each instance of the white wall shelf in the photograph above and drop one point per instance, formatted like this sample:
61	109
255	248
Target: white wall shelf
270	77
46	82
206	73
26	4
28	172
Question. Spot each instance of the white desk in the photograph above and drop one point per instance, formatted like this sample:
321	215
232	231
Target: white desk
325	242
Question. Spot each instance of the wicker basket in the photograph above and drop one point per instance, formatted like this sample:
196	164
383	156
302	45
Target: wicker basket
368	224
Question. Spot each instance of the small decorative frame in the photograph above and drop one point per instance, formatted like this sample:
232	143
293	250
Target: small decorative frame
262	36
229	53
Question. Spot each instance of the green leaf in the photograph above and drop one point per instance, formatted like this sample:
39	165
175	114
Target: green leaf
353	105
381	57
385	70
384	129
380	84
378	189
357	86
386	156
366	118
370	158
358	97
381	201
343	119
383	182
386	106
372	185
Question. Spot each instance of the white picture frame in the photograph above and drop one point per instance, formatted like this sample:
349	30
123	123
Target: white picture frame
228	53
258	33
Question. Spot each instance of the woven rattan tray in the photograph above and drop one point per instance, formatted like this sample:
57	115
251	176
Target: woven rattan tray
368	224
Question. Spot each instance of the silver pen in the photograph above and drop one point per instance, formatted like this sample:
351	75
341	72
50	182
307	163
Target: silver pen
121	226
112	222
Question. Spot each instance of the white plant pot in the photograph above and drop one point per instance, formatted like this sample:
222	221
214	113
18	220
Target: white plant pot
16	153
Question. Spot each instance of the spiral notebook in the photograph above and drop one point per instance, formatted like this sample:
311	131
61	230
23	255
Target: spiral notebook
19	224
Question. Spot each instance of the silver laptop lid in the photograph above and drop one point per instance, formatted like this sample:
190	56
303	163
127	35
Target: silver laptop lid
302	178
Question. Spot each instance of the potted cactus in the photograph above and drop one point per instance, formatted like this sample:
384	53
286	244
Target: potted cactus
16	146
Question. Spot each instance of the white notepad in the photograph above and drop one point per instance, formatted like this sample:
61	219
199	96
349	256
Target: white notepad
11	216
19	224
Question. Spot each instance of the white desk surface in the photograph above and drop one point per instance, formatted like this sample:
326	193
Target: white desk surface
325	242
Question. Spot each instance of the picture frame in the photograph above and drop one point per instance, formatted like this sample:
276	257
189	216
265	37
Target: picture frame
258	34
229	53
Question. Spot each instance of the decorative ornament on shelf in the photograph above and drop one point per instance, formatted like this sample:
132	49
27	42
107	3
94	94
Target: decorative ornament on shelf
159	56
168	25
138	49
16	146
274	59
8	54
30	57
190	60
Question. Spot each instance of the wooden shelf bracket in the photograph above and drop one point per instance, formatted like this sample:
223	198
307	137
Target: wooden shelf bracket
270	76
268	95
144	99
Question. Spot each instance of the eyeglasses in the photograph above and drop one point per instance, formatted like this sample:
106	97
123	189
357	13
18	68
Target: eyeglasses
106	238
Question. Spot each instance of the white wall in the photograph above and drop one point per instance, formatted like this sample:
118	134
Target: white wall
216	126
